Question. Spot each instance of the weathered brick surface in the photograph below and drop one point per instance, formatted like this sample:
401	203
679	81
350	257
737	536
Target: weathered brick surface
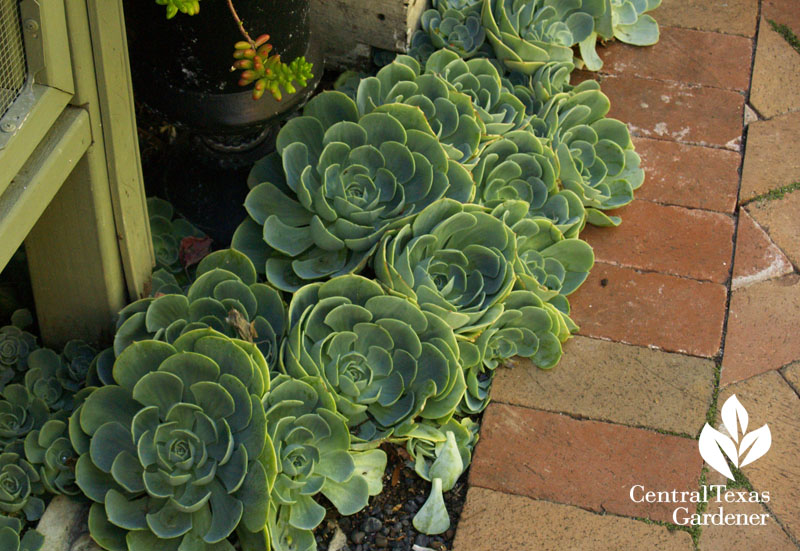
672	240
781	219
675	111
732	16
682	55
785	12
615	382
492	521
585	463
731	538
688	175
769	399
762	329
672	313
757	257
775	87
792	374
771	159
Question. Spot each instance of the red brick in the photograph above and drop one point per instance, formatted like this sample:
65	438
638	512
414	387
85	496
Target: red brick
762	329
672	240
692	57
688	175
651	309
675	111
775	87
757	257
585	463
731	16
493	521
784	12
771	160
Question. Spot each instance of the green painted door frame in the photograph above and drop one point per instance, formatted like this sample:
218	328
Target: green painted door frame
70	174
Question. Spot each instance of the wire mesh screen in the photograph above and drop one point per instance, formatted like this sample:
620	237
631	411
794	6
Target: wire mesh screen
12	54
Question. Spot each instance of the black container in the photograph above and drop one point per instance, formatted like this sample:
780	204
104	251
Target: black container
182	66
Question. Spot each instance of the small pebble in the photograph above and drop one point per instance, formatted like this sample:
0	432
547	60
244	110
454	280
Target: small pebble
372	525
422	540
381	541
357	537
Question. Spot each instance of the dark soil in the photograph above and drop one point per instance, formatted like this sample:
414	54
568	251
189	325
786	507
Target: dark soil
386	523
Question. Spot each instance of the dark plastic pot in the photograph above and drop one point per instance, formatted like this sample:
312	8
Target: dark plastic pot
182	65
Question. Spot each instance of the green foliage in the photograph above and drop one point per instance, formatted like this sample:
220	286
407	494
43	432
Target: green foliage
225	297
19	487
176	453
340	180
16	344
267	70
786	33
189	7
10	540
452	24
387	362
172	237
313	455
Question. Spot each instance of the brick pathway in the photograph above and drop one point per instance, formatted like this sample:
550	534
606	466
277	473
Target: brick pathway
695	297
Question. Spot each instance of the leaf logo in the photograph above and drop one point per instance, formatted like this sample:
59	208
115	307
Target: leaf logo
740	452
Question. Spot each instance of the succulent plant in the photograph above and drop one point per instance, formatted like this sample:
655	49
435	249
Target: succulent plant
456	25
50	452
427	446
225	297
456	261
595	153
189	7
176	453
20	413
497	108
164	283
170	236
43	380
449	113
20	487
319	209
75	361
10	540
529	34
624	20
521	166
266	69
312	446
386	361
15	346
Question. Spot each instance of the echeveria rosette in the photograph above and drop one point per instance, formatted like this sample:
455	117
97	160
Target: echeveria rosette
450	113
529	34
625	20
225	297
42	379
455	261
386	361
76	359
176	453
345	179
20	413
313	450
15	346
499	109
50	452
20	487
12	539
456	25
426	444
521	166
167	234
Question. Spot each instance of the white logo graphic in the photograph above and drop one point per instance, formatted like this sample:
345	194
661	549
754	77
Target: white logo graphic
713	443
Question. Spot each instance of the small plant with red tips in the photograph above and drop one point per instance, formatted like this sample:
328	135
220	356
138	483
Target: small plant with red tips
266	70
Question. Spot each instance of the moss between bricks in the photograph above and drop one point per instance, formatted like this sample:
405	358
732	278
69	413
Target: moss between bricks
777	193
786	33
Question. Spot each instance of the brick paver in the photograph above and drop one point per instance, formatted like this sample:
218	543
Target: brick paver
784	12
771	160
776	75
732	16
651	309
688	175
762	329
682	55
493	521
769	399
615	382
792	374
731	538
585	463
675	111
781	219
667	239
757	257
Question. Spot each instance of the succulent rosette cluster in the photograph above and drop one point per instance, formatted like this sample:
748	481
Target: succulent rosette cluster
169	234
451	24
225	297
175	454
342	179
387	362
12	538
16	344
